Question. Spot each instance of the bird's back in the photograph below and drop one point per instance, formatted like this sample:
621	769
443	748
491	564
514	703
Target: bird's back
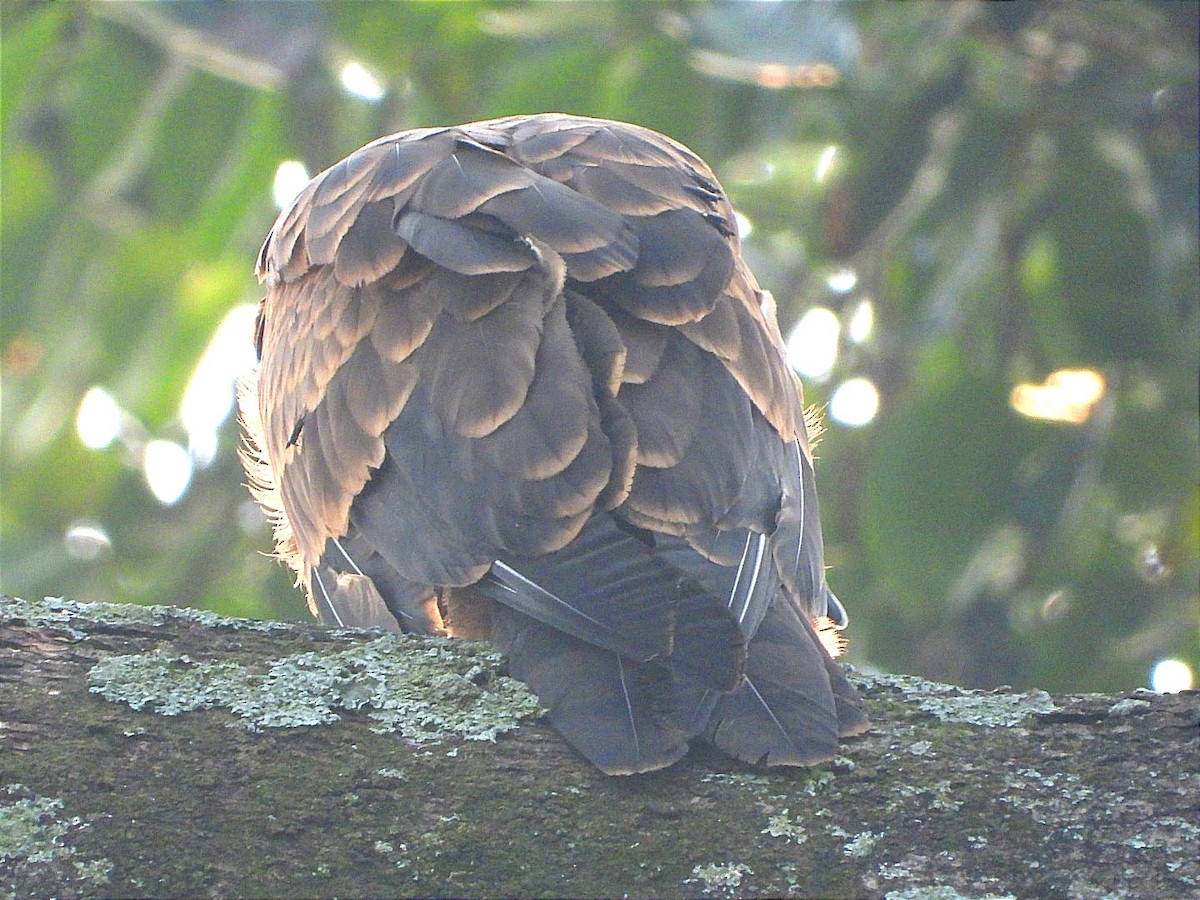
517	382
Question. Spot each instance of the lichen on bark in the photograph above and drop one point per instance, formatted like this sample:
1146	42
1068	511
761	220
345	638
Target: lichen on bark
424	693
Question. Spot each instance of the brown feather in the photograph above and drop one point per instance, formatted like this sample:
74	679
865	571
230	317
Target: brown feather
501	347
526	349
370	249
405	318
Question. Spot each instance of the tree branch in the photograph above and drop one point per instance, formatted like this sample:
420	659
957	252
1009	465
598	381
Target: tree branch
302	761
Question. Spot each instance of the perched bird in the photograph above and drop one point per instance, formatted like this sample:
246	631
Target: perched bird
516	382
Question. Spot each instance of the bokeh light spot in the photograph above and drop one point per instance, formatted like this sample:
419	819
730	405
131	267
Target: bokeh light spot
168	470
1067	395
862	321
208	399
813	344
86	542
358	80
98	422
744	225
855	402
842	281
290	179
1170	676
825	163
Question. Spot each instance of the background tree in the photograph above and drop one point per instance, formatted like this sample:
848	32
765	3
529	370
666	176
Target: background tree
981	219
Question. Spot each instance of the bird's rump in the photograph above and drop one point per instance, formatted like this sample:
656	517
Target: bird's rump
517	373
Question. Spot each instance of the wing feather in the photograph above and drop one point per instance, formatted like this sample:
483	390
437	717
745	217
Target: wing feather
465	246
369	249
683	265
479	371
405	318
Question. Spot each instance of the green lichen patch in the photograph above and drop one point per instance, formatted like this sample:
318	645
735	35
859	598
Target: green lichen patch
719	878
78	618
941	892
861	844
998	708
939	794
991	709
33	835
30	828
1171	833
783	825
741	779
1129	706
424	690
1030	790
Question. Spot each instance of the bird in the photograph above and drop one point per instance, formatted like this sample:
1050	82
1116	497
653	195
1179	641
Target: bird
517	383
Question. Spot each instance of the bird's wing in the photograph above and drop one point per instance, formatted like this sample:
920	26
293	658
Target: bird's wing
387	278
696	327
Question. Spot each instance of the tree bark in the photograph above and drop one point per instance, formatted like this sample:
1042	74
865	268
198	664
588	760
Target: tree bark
267	759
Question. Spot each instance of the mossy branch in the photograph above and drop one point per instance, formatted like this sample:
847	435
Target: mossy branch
162	751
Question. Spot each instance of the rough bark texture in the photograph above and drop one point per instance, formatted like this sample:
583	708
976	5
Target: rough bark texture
953	794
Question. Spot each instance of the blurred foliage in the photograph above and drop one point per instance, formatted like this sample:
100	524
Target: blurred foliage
1014	187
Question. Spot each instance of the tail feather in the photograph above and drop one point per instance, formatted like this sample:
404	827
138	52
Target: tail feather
626	717
355	587
851	712
791	709
612	589
350	601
